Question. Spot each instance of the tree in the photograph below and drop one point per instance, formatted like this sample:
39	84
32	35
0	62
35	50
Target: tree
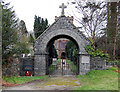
110	42
22	27
31	39
118	38
52	51
22	32
40	25
92	18
11	43
9	29
0	35
71	51
112	29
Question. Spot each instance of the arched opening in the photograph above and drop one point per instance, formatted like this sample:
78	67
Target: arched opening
63	55
60	64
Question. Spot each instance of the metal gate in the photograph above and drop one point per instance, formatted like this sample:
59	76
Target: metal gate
62	67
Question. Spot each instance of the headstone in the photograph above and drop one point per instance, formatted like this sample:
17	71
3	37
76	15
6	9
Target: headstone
54	61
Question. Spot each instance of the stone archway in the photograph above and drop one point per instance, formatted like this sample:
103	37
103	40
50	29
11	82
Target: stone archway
62	27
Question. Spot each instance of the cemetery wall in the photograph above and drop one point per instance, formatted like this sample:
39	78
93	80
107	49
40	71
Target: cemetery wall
98	63
13	69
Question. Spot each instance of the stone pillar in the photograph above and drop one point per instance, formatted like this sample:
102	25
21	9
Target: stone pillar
40	65
84	64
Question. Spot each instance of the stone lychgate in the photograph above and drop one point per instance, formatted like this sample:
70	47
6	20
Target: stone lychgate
61	28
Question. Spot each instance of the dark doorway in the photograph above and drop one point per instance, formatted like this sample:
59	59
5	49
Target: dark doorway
63	55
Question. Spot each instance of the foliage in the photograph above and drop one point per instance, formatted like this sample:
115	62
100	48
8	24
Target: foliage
109	43
51	67
9	30
58	61
22	27
99	80
112	29
40	25
71	51
12	40
114	62
52	51
112	19
31	38
20	48
72	66
22	79
93	53
113	68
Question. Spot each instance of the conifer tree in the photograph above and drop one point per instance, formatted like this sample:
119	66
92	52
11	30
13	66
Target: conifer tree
40	25
11	43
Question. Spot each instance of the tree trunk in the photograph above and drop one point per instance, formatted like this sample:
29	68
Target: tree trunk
115	40
111	30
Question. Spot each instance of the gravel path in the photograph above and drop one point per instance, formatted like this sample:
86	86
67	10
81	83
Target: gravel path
52	83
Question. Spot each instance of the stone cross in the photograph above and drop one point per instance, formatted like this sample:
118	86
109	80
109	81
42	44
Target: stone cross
63	7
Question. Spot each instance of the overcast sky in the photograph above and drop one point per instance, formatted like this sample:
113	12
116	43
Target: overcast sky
27	9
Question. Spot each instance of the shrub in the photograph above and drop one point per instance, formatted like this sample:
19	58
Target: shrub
113	68
98	52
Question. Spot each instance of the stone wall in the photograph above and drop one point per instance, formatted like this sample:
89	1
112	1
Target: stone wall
98	63
13	69
40	65
84	68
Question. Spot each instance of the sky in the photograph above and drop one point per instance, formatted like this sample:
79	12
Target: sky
27	9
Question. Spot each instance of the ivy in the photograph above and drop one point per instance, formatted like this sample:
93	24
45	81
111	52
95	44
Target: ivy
98	52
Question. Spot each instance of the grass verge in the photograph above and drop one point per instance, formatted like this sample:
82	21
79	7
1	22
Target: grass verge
22	79
99	80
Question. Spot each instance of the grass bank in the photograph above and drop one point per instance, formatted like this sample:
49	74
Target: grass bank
99	80
22	79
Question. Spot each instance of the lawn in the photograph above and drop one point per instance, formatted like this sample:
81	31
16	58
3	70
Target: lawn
99	80
93	80
22	79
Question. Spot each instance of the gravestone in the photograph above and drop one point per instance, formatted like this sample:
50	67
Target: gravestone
54	61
